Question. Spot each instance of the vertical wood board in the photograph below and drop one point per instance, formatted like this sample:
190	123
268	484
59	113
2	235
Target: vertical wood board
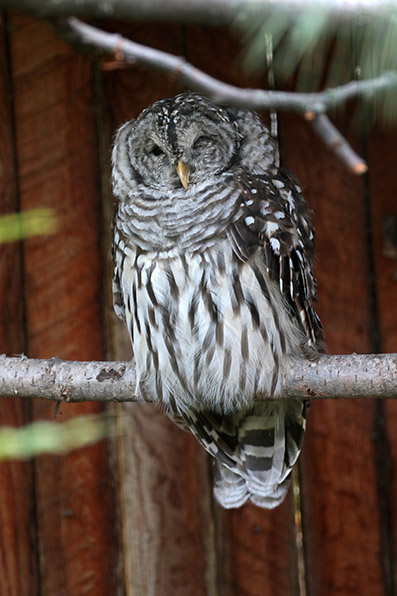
17	561
56	151
382	153
341	517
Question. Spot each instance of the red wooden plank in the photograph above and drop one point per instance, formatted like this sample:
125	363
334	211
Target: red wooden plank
56	145
166	494
17	561
340	505
258	551
383	190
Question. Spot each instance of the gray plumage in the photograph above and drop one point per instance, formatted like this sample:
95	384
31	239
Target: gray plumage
213	253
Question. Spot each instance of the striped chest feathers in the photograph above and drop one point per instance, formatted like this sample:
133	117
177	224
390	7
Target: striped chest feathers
206	329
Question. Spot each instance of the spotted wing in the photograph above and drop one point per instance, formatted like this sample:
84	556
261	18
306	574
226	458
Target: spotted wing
277	218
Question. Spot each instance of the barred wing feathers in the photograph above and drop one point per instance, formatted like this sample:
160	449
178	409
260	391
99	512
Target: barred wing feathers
277	218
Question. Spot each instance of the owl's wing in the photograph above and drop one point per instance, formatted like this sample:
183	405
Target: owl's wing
277	218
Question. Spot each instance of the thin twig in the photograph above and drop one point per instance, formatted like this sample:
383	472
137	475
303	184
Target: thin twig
337	143
311	105
352	376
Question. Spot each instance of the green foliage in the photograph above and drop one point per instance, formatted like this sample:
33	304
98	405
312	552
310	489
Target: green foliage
34	222
51	437
322	49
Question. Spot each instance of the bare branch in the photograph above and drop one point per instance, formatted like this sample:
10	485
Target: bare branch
67	380
312	105
337	143
356	375
352	376
214	12
83	34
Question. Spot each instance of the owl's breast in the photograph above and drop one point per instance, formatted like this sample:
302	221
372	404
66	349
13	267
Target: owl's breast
158	220
206	328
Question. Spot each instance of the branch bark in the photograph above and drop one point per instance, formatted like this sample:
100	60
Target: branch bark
351	376
210	12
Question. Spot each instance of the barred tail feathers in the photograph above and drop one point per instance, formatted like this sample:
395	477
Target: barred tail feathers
230	488
269	441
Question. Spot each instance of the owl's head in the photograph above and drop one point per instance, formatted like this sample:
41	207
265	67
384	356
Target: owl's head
181	141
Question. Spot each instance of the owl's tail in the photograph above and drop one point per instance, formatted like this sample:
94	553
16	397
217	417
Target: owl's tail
269	440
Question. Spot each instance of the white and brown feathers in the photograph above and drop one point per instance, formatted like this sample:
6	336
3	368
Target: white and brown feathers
213	251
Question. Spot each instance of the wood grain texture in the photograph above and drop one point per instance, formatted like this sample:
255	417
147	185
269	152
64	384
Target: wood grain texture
17	528
257	548
258	551
166	496
341	515
382	151
56	151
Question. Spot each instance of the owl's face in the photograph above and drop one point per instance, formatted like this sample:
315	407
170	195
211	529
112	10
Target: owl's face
182	141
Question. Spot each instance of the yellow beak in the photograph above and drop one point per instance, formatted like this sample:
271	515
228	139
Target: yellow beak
183	173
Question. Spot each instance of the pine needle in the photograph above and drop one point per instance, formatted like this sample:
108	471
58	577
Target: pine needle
322	50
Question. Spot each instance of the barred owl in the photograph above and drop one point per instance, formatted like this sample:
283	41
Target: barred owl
213	253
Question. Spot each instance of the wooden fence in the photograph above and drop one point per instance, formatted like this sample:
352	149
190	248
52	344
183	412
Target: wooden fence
136	516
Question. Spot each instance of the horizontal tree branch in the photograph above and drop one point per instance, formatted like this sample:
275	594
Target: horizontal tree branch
213	12
351	376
